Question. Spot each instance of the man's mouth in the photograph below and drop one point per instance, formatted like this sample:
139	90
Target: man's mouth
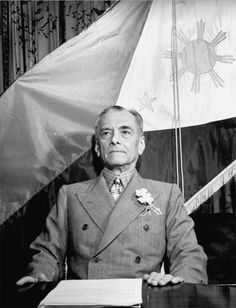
116	151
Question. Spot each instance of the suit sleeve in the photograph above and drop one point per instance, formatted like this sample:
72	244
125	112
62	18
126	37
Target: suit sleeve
50	246
186	258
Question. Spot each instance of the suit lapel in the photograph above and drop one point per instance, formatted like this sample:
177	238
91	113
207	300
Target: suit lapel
125	211
97	201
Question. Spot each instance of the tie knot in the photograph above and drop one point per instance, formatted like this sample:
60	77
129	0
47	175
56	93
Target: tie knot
117	181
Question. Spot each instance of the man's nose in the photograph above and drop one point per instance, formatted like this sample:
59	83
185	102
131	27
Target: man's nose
115	137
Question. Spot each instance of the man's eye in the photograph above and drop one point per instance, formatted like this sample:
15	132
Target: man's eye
105	133
126	132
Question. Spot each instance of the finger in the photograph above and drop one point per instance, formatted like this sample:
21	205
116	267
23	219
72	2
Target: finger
154	278
26	279
165	279
177	279
42	277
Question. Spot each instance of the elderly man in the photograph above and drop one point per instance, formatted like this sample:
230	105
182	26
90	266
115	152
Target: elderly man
118	225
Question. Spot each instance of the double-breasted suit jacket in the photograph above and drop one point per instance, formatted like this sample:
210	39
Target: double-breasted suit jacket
106	239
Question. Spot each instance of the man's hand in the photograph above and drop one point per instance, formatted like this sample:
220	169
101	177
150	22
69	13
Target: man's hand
29	279
161	279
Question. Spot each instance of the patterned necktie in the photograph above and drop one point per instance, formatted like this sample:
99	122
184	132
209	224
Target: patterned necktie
116	188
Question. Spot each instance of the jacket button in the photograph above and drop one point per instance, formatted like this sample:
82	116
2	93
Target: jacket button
85	227
137	260
146	228
97	259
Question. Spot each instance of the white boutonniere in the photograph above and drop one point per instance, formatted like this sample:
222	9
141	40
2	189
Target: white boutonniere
145	198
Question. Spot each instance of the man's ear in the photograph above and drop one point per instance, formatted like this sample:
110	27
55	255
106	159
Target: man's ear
97	149
141	145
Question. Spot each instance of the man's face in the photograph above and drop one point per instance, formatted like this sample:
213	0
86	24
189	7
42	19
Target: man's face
119	140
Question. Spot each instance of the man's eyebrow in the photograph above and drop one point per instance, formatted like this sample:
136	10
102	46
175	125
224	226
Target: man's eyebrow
105	128
125	127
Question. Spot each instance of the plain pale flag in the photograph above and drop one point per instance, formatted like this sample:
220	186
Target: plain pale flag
47	115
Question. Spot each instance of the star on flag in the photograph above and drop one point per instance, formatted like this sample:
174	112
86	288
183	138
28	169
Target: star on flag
146	102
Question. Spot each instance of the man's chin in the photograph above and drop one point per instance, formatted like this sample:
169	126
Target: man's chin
116	163
118	158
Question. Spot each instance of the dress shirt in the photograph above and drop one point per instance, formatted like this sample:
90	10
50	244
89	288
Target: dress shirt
125	177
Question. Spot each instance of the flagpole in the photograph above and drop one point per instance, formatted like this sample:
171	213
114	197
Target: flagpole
178	135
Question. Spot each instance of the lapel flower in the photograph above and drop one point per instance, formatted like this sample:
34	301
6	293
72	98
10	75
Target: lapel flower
144	197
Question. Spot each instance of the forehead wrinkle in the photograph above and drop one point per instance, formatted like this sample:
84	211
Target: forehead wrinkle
111	127
126	127
105	123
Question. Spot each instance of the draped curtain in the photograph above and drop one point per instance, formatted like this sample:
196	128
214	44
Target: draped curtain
29	30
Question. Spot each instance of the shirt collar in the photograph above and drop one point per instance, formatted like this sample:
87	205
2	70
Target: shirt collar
125	176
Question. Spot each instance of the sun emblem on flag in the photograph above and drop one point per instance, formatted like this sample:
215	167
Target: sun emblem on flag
199	57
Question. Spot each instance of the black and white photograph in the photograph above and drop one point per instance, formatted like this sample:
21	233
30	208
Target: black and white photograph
118	153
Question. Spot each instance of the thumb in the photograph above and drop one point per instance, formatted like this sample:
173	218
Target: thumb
26	279
146	276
